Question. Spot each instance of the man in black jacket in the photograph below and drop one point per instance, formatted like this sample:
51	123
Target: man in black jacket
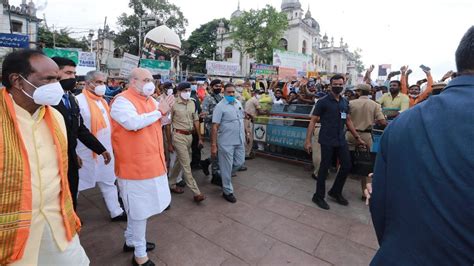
69	109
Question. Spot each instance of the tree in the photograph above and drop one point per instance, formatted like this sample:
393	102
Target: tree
159	12
60	38
201	46
358	61
257	32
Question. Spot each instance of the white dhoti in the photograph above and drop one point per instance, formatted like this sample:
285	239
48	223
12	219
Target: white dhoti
94	171
142	199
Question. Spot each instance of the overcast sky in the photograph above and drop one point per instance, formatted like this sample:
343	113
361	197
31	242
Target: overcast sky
389	32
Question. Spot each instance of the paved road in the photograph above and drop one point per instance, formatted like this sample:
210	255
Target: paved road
274	222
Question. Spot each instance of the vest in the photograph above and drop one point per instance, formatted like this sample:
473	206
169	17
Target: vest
138	154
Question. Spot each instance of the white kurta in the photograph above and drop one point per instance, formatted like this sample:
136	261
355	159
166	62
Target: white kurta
95	170
142	198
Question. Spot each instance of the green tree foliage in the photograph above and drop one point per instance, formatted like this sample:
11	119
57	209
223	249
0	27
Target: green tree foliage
358	61
257	32
60	38
201	46
159	11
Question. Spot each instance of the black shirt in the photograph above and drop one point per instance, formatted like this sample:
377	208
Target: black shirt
333	116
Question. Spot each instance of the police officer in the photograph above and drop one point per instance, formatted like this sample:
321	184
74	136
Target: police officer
228	139
184	121
364	113
208	106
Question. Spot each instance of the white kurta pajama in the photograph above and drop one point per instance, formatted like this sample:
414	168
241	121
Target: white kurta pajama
95	171
142	198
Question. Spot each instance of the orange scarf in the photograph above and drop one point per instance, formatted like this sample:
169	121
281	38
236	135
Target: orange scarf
15	183
97	119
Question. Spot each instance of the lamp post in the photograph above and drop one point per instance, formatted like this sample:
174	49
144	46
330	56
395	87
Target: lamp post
91	34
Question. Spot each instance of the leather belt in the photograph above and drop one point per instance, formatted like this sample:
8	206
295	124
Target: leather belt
184	132
365	131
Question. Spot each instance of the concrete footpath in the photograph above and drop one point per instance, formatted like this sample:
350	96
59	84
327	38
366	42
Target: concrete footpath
274	222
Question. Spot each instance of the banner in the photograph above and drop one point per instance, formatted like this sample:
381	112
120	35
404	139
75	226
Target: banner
14	40
300	62
86	59
219	68
312	74
263	70
155	64
155	51
129	62
290	137
69	54
384	69
287	73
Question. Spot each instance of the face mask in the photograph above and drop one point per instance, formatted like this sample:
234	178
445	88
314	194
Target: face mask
169	92
239	89
148	89
297	89
100	90
186	95
68	84
80	87
217	91
258	96
230	99
337	90
194	87
278	98
49	94
414	96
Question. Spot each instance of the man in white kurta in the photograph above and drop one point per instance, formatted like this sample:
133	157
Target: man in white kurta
140	167
95	171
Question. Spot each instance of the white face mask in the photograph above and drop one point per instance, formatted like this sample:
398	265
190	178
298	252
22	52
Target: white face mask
194	87
169	92
239	89
49	94
258	96
186	95
148	89
100	90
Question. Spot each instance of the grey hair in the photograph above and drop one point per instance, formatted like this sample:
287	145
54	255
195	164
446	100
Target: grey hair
92	74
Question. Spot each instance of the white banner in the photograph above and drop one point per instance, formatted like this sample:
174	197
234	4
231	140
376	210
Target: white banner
86	59
129	62
300	62
219	68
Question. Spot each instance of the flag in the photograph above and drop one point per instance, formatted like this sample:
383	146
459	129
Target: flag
383	69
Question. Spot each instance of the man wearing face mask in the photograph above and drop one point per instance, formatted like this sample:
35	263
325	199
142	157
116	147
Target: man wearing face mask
96	114
333	112
140	165
185	121
38	224
76	129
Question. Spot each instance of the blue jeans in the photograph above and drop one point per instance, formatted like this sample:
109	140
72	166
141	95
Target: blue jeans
231	158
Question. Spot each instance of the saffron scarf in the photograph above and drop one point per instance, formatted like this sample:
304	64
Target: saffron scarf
97	119
15	182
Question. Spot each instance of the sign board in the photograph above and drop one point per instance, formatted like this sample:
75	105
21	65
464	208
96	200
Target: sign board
155	64
286	73
70	54
14	40
129	62
86	59
289	137
263	70
260	132
155	51
300	62
219	68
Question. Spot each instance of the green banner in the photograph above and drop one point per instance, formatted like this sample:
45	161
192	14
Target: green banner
155	64
73	55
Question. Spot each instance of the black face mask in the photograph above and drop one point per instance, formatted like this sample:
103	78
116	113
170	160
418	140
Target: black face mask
68	84
394	90
217	91
278	98
337	90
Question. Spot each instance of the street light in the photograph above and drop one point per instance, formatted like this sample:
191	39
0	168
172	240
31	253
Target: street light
91	34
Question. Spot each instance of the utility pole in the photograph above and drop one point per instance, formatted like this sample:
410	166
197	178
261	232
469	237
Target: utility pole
140	38
54	38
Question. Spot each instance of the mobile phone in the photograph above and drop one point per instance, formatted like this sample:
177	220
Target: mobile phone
396	73
425	68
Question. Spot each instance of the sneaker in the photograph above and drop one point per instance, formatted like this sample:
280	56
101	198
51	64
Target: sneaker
230	198
321	203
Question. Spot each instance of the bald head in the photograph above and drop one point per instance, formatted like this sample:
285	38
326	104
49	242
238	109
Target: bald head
139	77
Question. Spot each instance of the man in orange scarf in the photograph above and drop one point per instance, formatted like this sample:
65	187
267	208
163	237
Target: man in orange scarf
96	114
38	225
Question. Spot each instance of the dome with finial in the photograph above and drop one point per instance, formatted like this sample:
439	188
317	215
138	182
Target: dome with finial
325	37
221	24
237	13
290	4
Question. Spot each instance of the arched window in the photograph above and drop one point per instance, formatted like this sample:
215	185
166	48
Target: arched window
303	50
117	53
228	53
283	44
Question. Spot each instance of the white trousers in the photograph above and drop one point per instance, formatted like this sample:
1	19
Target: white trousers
135	236
110	194
51	255
173	157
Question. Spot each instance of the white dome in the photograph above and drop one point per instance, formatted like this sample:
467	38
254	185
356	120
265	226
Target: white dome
165	36
290	4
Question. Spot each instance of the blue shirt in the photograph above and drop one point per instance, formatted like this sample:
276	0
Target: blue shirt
332	115
423	188
230	117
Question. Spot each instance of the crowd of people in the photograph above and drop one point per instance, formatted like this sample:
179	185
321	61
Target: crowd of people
142	139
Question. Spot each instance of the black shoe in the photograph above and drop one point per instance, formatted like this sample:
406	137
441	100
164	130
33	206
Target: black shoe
196	167
314	177
338	198
243	168
230	198
147	263
181	183
149	247
168	208
321	203
363	198
205	166
121	218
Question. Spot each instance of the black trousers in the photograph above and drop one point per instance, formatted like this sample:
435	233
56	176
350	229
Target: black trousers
73	177
327	153
196	152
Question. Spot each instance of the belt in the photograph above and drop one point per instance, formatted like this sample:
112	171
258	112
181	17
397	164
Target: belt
184	132
365	131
